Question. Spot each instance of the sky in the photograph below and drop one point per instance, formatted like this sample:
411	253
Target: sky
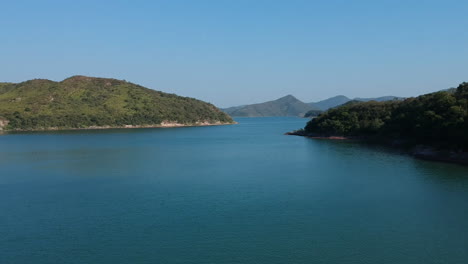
235	52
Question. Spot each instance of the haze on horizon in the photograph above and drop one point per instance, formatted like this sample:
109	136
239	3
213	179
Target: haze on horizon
241	52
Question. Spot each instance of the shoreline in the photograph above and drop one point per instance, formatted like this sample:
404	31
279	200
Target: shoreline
162	125
423	152
302	133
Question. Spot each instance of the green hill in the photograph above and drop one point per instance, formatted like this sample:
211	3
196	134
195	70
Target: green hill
284	106
438	119
83	102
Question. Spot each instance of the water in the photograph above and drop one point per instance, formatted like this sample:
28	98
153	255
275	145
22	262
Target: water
229	194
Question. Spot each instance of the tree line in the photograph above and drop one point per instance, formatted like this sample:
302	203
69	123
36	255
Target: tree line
438	119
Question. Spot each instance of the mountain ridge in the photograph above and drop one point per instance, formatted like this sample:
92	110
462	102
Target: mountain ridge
285	106
279	107
341	99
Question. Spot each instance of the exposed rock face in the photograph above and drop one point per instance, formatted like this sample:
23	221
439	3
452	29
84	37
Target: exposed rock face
3	123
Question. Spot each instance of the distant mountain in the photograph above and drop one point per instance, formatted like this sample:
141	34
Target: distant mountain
232	109
87	102
284	106
335	101
379	99
291	106
331	102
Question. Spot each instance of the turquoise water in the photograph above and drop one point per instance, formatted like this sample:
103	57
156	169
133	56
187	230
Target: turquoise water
228	194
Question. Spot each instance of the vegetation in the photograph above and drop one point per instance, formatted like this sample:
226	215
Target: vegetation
437	119
80	102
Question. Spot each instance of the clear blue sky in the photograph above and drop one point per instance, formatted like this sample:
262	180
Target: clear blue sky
242	51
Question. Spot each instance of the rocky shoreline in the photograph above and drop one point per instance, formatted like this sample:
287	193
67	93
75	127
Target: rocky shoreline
418	151
302	133
165	124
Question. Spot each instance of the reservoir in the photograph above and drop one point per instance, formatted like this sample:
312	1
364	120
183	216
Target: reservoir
241	193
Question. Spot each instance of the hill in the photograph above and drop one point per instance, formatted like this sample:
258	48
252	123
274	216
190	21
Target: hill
438	119
83	102
284	106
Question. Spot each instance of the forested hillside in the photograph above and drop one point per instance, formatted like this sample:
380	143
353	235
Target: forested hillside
438	119
81	102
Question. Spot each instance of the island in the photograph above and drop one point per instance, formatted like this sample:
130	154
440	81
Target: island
432	126
82	102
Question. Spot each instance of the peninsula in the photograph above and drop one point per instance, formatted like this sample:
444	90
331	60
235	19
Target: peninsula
432	126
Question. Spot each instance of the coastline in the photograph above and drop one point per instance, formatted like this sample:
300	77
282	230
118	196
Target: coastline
165	124
424	152
302	133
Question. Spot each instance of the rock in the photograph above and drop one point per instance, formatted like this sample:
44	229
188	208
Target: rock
3	123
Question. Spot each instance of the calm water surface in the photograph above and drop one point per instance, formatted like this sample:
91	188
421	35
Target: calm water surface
229	194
